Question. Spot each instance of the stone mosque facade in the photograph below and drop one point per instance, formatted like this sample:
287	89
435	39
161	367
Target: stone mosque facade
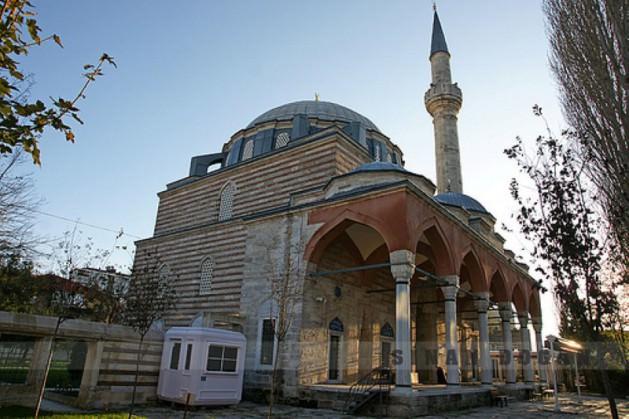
386	268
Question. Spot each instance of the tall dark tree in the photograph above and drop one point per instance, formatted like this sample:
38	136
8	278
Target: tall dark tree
589	55
559	220
22	119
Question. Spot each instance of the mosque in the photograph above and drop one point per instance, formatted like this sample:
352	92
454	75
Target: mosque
308	214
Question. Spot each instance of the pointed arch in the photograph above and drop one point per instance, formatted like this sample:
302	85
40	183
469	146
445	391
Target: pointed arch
387	331
535	308
440	247
519	298
336	325
499	292
473	268
206	275
226	201
331	230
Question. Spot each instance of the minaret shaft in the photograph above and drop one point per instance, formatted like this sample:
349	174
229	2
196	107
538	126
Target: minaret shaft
443	101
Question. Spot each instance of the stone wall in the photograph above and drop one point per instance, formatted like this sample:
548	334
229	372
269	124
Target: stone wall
109	369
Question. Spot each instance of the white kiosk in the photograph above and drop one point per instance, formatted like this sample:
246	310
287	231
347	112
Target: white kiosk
205	363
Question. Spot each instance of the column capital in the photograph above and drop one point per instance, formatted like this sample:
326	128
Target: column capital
523	317
451	287
537	324
451	280
481	302
505	311
402	264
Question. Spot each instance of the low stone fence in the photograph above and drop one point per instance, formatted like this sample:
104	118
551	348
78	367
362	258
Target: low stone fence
108	372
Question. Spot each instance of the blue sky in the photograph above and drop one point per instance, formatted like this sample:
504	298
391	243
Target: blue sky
192	73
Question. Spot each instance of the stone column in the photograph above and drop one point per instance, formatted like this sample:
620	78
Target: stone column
465	356
539	343
426	350
452	357
525	338
402	268
41	352
507	340
482	304
91	371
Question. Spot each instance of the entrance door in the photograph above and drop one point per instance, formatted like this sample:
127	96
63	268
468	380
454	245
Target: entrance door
333	362
385	354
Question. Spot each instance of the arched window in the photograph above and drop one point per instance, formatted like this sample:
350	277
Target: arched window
163	273
226	202
207	273
336	325
387	331
247	151
282	139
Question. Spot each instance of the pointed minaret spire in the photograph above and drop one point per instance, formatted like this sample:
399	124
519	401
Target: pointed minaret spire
443	101
438	43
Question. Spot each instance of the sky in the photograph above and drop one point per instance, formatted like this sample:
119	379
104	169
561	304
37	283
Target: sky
190	74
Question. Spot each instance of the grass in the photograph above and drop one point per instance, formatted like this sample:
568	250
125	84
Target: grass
27	412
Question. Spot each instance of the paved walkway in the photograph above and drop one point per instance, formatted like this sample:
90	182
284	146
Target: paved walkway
591	407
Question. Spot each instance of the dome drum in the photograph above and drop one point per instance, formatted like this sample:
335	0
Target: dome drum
282	125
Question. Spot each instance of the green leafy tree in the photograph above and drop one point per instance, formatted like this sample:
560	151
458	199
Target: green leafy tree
23	120
558	218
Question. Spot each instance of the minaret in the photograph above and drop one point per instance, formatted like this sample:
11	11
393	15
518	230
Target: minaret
443	101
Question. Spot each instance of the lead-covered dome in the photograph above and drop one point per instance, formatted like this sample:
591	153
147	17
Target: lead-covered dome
460	200
327	111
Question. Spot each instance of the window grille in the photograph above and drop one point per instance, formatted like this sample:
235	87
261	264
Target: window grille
207	274
226	202
163	273
247	151
387	331
336	325
282	139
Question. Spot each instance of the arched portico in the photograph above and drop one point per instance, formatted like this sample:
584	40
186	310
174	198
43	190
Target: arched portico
401	262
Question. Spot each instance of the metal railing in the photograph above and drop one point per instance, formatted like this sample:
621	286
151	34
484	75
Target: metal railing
375	384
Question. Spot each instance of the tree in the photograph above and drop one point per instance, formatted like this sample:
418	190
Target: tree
589	56
558	218
150	296
18	285
23	120
17	203
67	299
285	294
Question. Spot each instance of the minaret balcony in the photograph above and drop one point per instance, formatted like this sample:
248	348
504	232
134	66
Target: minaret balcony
443	91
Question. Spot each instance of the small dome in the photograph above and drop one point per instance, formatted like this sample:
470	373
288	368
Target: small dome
460	200
375	166
317	109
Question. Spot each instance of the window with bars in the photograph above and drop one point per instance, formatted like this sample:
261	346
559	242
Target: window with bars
247	151
207	274
163	273
282	139
226	202
222	358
